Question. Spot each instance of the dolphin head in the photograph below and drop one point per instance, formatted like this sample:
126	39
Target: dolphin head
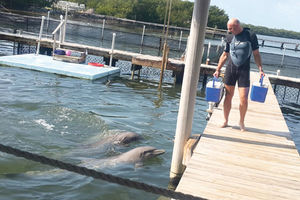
135	156
139	154
147	152
126	137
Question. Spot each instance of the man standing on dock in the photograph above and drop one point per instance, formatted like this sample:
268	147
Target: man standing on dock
239	46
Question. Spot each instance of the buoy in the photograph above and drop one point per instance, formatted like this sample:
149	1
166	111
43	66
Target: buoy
68	52
96	64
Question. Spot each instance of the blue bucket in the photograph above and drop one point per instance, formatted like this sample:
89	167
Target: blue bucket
213	90
259	91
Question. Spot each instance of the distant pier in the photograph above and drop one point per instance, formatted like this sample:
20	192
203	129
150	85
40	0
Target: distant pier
177	66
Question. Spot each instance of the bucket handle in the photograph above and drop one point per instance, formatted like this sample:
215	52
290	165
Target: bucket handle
261	80
214	79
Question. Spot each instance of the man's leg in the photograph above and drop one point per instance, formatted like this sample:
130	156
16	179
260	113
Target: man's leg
227	103
243	92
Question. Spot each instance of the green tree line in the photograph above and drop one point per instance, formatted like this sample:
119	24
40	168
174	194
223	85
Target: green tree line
25	4
154	11
273	31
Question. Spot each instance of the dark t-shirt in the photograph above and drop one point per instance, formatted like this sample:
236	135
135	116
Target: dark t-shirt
240	48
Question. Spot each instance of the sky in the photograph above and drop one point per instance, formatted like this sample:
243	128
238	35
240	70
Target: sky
280	14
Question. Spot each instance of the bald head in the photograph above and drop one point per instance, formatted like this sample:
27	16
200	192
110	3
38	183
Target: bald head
234	26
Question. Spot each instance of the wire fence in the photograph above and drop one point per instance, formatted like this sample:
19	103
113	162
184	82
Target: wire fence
283	93
145	38
130	37
149	73
287	94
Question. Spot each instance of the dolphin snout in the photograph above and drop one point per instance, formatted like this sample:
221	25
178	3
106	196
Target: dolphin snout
158	152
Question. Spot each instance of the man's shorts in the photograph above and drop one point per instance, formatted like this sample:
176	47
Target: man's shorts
234	74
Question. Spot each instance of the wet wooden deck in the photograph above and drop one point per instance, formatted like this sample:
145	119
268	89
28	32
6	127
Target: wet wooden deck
260	163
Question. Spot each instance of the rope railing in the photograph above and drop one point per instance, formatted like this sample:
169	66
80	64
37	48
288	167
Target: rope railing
98	175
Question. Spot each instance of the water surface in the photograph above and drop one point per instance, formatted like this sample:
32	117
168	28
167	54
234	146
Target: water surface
57	116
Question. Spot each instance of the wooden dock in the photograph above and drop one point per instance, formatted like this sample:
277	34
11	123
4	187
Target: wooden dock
260	163
177	66
135	58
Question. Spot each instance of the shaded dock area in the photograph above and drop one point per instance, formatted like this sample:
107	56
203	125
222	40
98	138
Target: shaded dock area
260	163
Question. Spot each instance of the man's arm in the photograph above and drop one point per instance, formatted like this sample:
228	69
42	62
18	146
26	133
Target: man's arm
258	62
221	62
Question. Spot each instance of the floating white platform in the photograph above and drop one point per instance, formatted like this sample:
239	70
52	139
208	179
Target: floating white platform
47	64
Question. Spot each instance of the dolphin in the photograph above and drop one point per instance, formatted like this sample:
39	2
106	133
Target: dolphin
104	144
135	156
123	138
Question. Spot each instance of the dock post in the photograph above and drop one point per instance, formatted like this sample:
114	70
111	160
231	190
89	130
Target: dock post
180	38
283	54
275	85
142	41
208	52
220	46
159	48
163	63
102	35
27	24
65	25
112	49
60	31
40	36
284	92
189	86
48	18
18	49
14	47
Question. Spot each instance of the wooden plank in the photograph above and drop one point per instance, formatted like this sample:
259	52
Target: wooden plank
260	163
229	185
211	166
247	145
263	163
154	61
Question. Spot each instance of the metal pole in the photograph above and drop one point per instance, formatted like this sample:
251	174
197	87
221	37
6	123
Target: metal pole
60	32
142	41
112	48
54	43
208	52
164	28
180	38
284	93
102	36
65	25
169	17
48	18
14	48
189	85
221	45
40	36
283	54
163	63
